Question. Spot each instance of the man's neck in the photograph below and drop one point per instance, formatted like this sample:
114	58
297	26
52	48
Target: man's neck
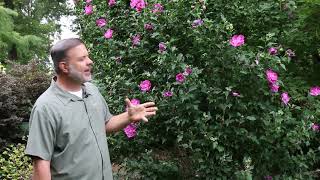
67	84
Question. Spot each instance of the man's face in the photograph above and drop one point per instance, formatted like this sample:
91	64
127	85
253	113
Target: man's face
79	64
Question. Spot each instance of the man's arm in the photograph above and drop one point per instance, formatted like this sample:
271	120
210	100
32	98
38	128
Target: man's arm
134	114
41	169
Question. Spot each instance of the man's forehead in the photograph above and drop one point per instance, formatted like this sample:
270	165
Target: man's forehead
78	51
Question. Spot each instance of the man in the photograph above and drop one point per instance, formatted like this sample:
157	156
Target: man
68	123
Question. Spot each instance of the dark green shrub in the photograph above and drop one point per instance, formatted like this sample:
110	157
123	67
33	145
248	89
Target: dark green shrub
20	87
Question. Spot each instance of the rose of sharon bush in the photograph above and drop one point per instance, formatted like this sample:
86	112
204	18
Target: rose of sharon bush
224	103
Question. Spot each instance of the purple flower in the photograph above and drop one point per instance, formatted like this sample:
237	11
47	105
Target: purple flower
88	9
145	85
285	98
130	130
272	51
135	101
136	39
315	91
167	94
180	77
272	76
111	3
148	26
274	87
235	94
162	47
187	71
157	8
197	23
290	53
139	5
108	34
101	22
315	127
237	40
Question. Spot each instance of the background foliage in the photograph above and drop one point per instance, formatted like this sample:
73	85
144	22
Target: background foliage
20	87
204	130
27	27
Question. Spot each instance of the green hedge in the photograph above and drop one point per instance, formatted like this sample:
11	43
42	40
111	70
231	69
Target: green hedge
228	118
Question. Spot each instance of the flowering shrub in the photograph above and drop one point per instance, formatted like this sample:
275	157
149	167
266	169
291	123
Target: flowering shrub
230	82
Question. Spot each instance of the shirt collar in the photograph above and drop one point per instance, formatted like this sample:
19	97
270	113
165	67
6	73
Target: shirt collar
64	96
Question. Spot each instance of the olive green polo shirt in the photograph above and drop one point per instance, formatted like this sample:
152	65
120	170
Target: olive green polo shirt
70	132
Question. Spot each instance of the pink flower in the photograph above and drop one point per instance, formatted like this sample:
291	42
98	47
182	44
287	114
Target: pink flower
315	127
145	85
235	94
135	102
108	34
274	87
162	47
101	22
111	3
135	39
315	91
148	27
272	51
272	76
167	94
188	71
237	40
130	130
157	8
285	98
197	23
139	5
88	1
180	77
88	9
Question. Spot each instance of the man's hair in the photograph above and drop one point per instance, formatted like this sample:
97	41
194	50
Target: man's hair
59	51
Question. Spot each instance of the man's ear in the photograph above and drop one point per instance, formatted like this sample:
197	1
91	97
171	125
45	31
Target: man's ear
64	67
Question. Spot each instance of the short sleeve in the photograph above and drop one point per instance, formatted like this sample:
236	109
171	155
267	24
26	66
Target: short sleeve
41	137
108	115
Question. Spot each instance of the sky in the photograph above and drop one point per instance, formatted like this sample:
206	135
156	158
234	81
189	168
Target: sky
66	26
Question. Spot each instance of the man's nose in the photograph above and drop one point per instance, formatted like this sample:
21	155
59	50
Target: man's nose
90	62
